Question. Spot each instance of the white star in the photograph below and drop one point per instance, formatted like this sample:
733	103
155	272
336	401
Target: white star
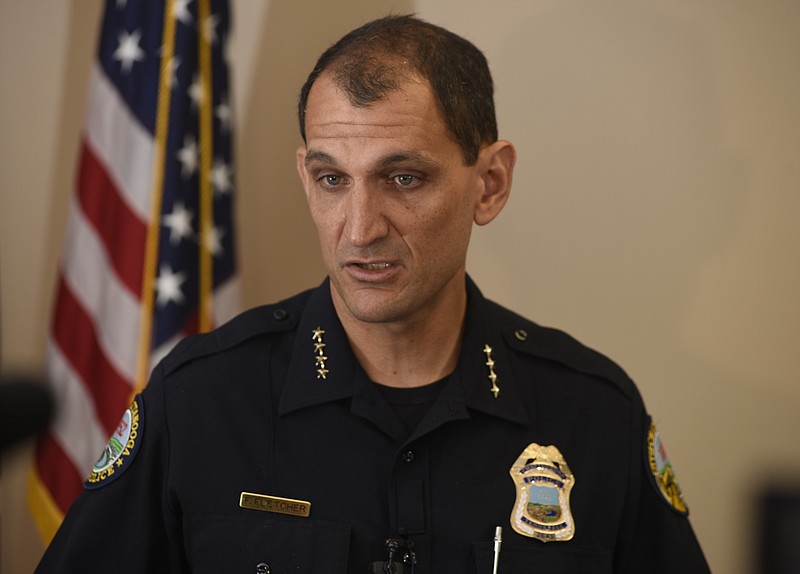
224	115
173	64
128	50
179	223
196	93
187	155
221	177
210	28
212	240
168	286
181	12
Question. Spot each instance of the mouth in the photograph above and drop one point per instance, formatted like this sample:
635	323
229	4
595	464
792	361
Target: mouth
372	271
373	266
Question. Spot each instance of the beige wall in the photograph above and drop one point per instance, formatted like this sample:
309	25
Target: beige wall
654	214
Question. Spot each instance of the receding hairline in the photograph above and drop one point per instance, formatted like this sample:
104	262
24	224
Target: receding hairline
414	77
374	59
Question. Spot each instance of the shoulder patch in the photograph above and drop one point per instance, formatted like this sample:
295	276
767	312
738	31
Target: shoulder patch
662	476
121	449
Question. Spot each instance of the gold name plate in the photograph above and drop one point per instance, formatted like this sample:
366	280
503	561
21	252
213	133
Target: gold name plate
274	504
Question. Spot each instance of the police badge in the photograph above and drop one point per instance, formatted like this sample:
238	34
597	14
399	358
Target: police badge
543	483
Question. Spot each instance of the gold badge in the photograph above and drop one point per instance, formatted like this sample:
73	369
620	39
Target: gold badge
543	483
274	504
662	471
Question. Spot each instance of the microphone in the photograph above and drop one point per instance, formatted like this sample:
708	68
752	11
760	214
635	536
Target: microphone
498	540
401	552
26	407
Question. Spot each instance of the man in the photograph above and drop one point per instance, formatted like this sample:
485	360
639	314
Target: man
391	420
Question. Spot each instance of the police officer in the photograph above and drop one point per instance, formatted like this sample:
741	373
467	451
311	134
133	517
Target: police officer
392	419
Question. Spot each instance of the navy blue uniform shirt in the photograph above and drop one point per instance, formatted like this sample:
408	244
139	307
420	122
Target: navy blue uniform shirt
246	409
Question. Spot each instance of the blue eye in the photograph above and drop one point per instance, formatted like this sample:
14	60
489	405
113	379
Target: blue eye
405	180
332	179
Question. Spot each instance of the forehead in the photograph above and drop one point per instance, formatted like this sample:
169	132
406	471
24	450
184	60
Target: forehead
408	114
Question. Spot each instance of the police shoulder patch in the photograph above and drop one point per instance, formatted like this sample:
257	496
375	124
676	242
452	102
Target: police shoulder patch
121	448
662	474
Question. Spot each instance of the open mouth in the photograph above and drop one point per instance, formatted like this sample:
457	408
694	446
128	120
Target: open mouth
374	266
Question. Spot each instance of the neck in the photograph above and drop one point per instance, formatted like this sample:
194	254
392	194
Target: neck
413	352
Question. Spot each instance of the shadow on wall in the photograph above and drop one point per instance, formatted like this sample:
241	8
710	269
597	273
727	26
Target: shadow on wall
280	251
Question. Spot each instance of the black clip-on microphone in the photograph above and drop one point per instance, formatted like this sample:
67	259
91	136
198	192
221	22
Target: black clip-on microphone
394	546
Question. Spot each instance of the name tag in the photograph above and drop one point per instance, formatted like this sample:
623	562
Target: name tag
274	504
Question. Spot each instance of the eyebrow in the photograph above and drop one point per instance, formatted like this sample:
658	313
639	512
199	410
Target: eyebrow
319	156
410	157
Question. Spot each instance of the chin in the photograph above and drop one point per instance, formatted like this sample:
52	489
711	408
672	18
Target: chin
374	309
370	304
373	313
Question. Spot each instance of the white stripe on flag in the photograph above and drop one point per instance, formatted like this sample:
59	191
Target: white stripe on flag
75	427
123	146
227	301
115	312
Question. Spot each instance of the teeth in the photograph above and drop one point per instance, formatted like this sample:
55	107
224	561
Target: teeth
374	266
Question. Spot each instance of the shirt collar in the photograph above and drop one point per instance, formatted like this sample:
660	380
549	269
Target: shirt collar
484	343
321	374
313	378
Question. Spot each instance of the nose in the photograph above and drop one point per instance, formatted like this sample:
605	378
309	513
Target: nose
365	220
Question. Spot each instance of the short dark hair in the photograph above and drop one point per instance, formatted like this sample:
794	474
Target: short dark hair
372	61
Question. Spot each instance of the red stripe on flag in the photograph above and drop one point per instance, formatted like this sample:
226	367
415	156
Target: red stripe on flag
73	332
121	231
57	472
192	325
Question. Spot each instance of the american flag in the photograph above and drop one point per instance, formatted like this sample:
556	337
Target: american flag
149	251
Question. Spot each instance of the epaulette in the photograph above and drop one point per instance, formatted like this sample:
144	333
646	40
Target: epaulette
528	337
266	319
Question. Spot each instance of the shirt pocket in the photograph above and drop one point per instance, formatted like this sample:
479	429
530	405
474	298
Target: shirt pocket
284	544
538	558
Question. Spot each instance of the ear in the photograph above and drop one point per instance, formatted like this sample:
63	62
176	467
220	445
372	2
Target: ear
300	158
496	162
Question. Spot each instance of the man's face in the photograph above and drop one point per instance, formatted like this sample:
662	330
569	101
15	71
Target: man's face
392	200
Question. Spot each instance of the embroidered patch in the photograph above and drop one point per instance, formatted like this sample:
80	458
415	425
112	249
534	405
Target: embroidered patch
663	476
543	483
118	454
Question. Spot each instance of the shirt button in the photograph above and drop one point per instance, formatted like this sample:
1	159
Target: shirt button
262	568
408	456
280	314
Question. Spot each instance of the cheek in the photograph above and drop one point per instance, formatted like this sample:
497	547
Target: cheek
456	216
444	232
325	225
